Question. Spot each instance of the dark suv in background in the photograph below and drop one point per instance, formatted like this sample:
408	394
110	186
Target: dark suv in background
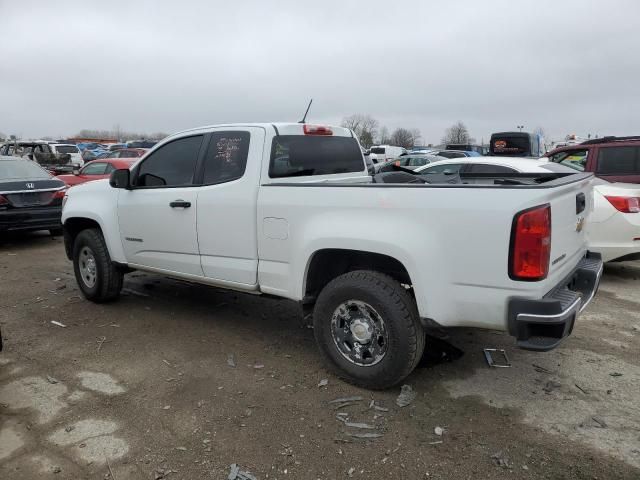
616	159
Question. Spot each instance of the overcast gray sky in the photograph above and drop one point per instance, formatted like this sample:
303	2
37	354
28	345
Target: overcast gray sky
568	66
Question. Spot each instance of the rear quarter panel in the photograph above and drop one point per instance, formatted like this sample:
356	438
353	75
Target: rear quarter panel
454	242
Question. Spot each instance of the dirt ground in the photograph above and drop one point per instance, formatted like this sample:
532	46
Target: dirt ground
179	381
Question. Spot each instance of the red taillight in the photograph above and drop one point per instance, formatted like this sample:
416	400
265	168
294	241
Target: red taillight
625	204
531	244
60	193
316	130
3	201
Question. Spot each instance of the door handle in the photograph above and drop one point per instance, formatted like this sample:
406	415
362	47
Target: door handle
180	204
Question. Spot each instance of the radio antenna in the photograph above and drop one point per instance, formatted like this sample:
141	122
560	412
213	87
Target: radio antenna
304	119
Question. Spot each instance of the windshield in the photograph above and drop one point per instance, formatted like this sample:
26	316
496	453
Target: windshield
66	149
378	150
21	170
302	155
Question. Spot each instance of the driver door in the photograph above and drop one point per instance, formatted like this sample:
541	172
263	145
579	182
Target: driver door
157	217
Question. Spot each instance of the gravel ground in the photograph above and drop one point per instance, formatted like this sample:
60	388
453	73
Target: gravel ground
180	381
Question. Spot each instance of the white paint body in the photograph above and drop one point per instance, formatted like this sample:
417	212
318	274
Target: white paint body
258	234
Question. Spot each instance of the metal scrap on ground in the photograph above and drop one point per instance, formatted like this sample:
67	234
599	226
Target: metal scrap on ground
237	474
406	397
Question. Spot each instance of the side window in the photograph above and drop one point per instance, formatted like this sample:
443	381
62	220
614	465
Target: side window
172	165
110	168
226	158
619	160
485	168
94	169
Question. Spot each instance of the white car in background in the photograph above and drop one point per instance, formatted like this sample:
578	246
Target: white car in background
70	149
384	153
613	227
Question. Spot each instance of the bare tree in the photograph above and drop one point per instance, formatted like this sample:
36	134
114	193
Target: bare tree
384	137
457	133
364	126
402	138
119	134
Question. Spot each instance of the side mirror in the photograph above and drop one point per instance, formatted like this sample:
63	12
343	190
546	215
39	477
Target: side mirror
76	170
121	178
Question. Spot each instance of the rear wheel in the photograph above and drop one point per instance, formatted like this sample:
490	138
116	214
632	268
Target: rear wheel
98	278
367	326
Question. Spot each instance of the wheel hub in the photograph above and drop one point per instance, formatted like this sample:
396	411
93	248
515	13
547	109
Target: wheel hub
359	333
88	267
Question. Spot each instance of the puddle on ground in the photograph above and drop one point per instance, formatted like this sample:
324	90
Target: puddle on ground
11	440
36	393
92	440
100	382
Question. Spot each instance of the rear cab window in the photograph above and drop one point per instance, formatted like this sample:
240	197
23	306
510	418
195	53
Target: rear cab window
311	155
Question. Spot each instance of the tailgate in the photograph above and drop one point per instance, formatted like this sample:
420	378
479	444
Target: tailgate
571	206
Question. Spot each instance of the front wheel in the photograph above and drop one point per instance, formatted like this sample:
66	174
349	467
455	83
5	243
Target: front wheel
367	326
98	278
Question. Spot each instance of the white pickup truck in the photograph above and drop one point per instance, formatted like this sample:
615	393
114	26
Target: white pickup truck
288	210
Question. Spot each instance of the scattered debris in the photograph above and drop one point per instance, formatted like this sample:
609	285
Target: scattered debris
237	474
438	431
377	407
51	380
57	469
501	460
615	374
550	386
351	471
437	442
540	369
167	362
349	424
133	292
364	435
345	400
406	397
69	428
601	423
231	360
345	404
323	383
110	471
258	366
58	324
581	389
182	449
497	357
166	407
101	342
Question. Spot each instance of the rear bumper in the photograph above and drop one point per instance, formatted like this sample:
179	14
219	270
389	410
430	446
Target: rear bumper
23	219
543	324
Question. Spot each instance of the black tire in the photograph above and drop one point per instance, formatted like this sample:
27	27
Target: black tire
56	232
107	278
404	337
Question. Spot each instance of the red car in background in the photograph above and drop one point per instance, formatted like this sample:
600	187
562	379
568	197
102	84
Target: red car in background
125	153
96	170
